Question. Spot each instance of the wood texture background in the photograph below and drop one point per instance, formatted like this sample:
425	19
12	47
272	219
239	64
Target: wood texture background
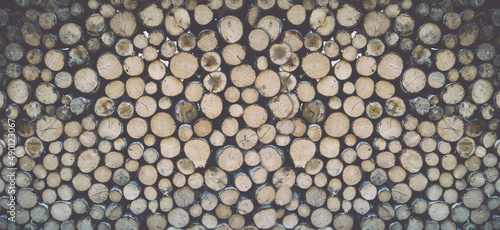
258	114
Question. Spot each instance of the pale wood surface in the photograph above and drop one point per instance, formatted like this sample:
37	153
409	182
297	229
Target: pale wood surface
265	114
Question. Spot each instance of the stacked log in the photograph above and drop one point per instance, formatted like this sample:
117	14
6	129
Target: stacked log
265	114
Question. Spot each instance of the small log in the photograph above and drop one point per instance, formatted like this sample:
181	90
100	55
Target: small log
234	54
376	18
272	25
315	65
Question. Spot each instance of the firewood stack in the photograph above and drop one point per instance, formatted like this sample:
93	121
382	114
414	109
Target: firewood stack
258	114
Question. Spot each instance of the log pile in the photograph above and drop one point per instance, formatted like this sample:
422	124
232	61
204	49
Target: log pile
264	114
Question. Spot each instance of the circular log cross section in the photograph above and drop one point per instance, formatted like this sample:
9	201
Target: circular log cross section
262	114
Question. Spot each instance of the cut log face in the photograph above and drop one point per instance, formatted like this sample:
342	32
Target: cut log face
235	114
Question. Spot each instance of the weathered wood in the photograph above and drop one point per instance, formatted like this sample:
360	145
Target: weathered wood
216	107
